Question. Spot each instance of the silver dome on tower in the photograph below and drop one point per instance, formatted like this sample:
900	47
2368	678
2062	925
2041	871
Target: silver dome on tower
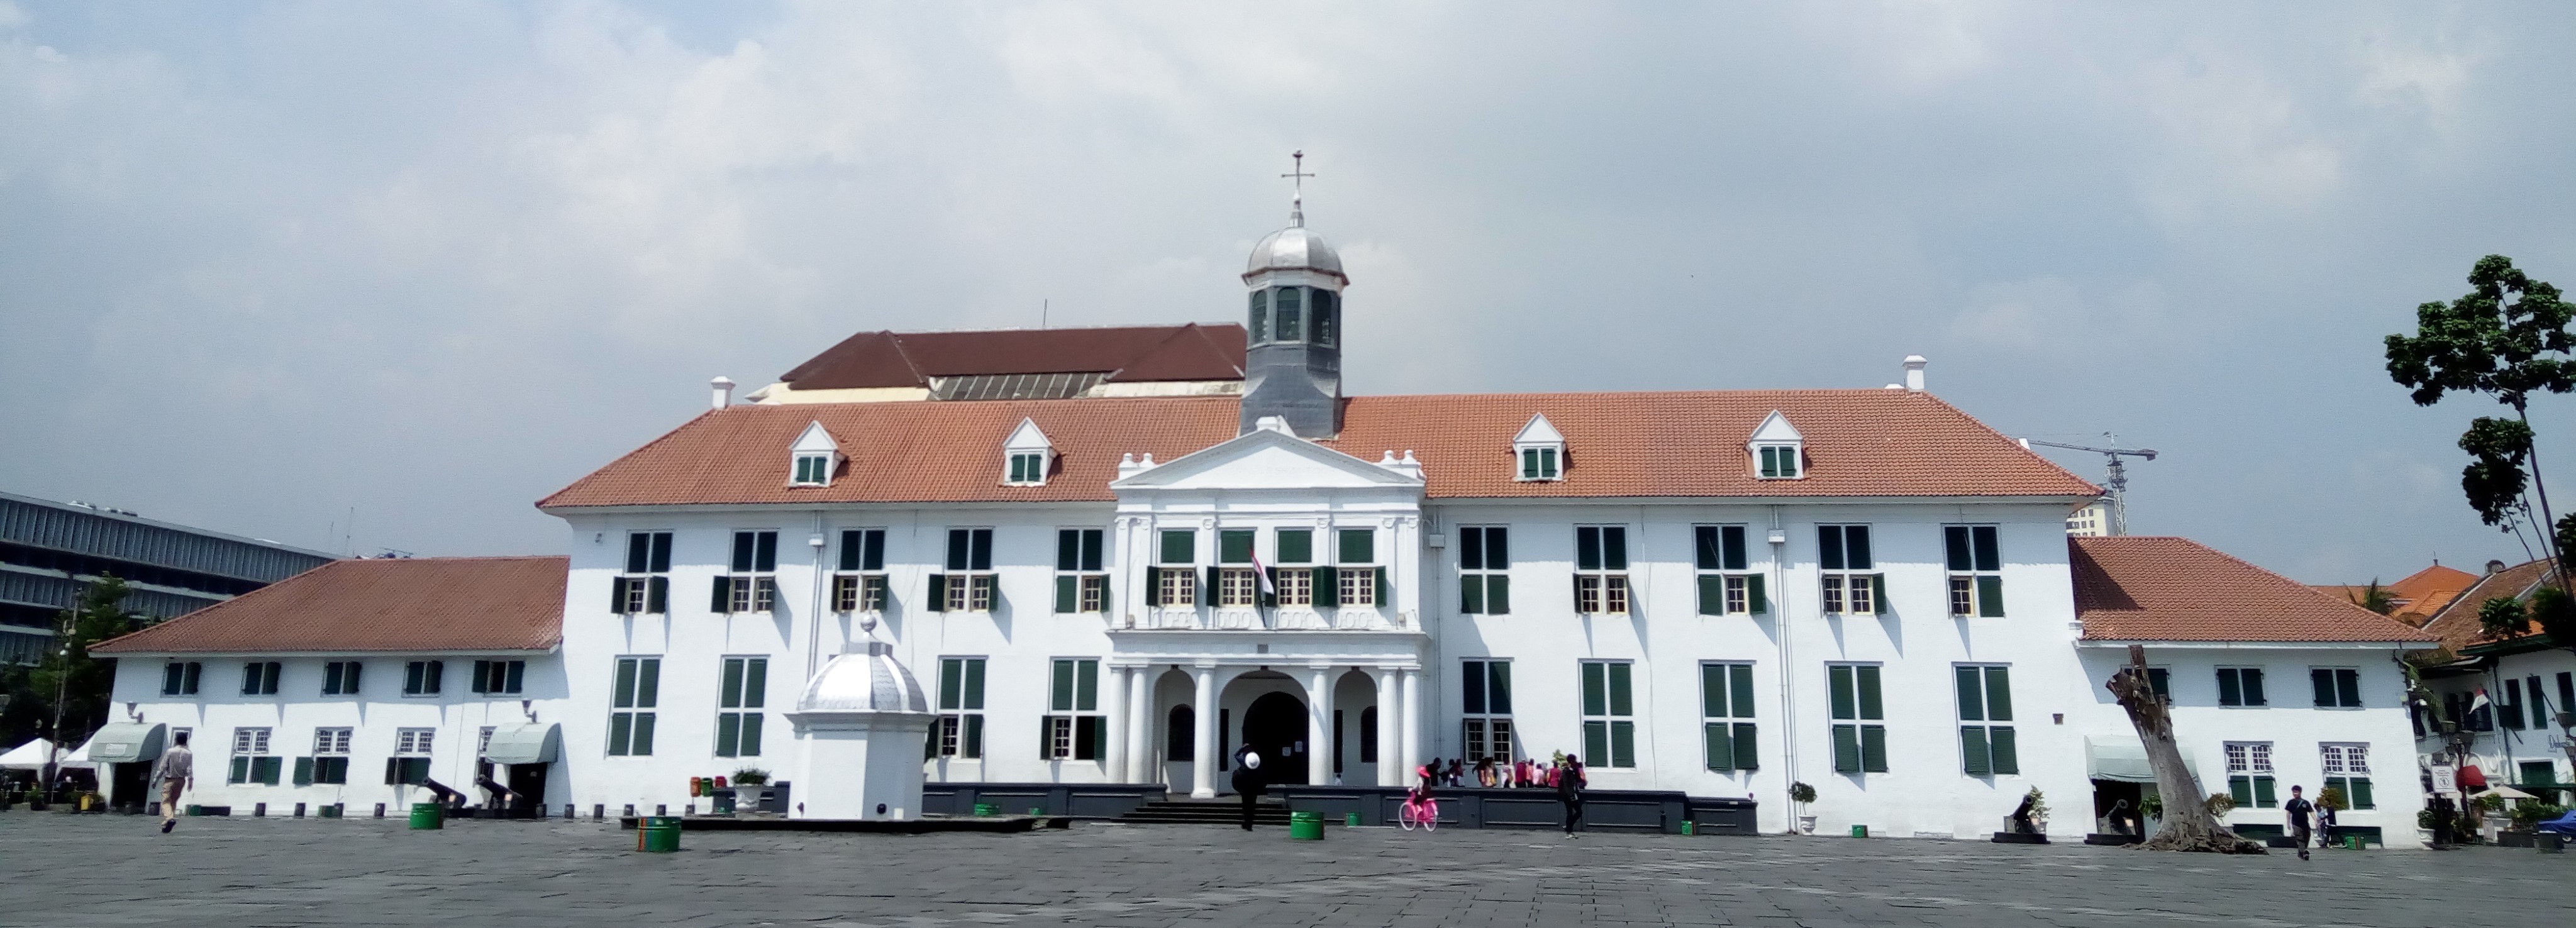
1293	327
1294	248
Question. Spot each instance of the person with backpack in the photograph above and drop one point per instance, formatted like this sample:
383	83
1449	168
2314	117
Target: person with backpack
2298	809
1569	790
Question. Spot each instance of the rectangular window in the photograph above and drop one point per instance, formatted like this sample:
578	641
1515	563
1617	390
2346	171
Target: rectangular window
961	708
1080	584
859	583
2511	707
2160	682
1850	586
1601	569
742	692
413	740
1987	746
2336	687
1485	688
1076	730
1726	717
2249	774
1609	715
1358	583
1725	585
1976	565
1539	463
752	585
424	678
2347	768
500	677
636	692
645	586
259	678
1292	580
251	763
330	763
2241	686
1028	468
969	585
813	470
1484	565
179	678
1778	462
340	678
1860	735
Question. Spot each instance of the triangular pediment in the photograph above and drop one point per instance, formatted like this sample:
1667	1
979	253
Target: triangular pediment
1776	428
1027	438
1265	459
1539	431
815	438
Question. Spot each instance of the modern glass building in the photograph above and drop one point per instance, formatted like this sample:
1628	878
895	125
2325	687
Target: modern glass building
51	551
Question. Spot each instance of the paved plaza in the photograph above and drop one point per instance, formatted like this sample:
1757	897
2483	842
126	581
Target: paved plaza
115	870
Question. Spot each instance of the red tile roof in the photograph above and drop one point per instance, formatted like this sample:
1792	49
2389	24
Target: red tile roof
2457	624
1137	353
1858	442
2145	588
414	605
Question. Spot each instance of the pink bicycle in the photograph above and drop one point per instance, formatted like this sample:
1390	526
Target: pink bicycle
1418	809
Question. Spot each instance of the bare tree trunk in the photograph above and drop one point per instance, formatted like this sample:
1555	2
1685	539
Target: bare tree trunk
2188	826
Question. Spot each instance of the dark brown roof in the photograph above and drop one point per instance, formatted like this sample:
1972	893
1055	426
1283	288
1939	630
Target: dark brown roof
2457	624
411	605
1859	443
1136	353
2145	588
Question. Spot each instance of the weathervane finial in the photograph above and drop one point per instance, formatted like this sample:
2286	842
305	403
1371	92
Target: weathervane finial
1297	202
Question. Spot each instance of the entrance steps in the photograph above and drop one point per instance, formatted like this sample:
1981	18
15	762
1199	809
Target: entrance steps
1266	812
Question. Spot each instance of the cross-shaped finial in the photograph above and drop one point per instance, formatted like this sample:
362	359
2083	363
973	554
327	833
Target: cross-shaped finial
1297	203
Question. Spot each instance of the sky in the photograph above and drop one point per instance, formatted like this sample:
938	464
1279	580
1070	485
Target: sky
362	277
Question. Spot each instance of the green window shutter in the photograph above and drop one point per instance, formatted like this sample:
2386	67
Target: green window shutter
1153	586
1062	692
393	770
751	734
1067	593
730	696
2007	755
1046	737
1596	741
1234	546
2241	789
1839	680
268	769
1972	751
1999	694
2263	792
974	684
1873	748
974	737
1621	697
1712	594
1359	545
1498	594
616	606
2253	680
721	599
1741	676
1328	589
1721	746
1878	593
1270	594
642	747
657	595
930	741
620	725
938	594
1179	546
1297	545
1972	698
1498	691
2347	687
1207	587
1846	749
1086	686
728	733
1385	590
1754	599
2322	681
1623	743
951	676
1706	552
1471	594
1596	690
755	683
1747	755
1867	678
1990	596
241	771
2228	692
304	771
1712	691
2360	794
1955	539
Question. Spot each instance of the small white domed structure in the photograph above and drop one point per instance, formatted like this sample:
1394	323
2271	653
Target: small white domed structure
859	729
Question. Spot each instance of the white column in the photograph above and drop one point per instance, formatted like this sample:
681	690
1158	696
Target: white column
1390	730
1113	708
1412	720
1319	726
1203	739
1140	727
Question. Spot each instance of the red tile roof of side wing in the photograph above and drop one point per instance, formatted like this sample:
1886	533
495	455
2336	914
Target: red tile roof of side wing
2457	623
2145	588
413	605
896	359
1859	443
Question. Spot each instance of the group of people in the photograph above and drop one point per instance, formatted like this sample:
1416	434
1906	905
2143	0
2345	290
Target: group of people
1562	773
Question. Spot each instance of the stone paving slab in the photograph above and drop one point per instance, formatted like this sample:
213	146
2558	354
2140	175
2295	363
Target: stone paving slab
69	870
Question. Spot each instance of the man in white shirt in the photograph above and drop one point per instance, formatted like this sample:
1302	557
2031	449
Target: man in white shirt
176	772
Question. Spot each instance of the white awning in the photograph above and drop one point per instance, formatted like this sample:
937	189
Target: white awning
126	743
34	754
526	743
2125	760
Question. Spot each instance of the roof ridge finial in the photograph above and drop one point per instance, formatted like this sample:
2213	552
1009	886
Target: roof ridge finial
1297	201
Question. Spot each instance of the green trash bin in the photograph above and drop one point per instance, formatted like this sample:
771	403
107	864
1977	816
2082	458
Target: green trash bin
331	811
658	834
1305	826
1690	827
428	815
1860	831
195	809
2352	842
1351	820
986	808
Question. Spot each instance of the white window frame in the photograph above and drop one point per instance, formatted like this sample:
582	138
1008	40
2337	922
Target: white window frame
960	732
1613	722
1778	461
1087	575
415	742
645	581
1484	724
971	586
1848	590
638	707
1737	723
1025	468
1482	574
251	740
860	584
1067	711
741	701
1603	588
331	741
433	679
751	583
813	470
1355	584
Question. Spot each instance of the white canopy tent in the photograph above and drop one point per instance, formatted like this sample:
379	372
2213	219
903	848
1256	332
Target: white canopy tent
32	756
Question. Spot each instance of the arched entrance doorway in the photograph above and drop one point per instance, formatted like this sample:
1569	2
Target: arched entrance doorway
1275	725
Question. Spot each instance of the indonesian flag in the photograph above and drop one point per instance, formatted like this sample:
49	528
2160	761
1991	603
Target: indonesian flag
2479	701
1264	574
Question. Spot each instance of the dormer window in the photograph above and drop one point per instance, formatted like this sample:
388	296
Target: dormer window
1025	456
814	456
1540	449
1779	452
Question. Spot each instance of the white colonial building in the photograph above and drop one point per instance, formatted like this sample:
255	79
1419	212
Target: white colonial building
1114	556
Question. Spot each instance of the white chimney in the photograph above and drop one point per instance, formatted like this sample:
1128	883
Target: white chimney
723	391
1914	373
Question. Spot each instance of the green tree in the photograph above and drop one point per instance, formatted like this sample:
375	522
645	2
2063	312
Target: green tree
2508	339
2376	599
74	687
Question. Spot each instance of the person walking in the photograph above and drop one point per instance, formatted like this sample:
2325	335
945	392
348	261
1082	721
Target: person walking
2297	810
1247	780
1569	790
2325	823
176	772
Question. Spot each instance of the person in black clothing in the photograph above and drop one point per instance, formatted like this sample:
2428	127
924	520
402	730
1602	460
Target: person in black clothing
2443	817
2297	809
1569	790
1247	780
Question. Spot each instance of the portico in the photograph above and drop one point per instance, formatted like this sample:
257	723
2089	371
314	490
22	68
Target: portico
1191	697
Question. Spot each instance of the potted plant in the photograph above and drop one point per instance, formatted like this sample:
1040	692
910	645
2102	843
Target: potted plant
2150	808
751	776
748	790
1802	795
2330	799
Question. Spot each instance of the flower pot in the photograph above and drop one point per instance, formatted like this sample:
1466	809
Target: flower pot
1806	824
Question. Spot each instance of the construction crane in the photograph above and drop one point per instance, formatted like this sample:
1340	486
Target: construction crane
2119	479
